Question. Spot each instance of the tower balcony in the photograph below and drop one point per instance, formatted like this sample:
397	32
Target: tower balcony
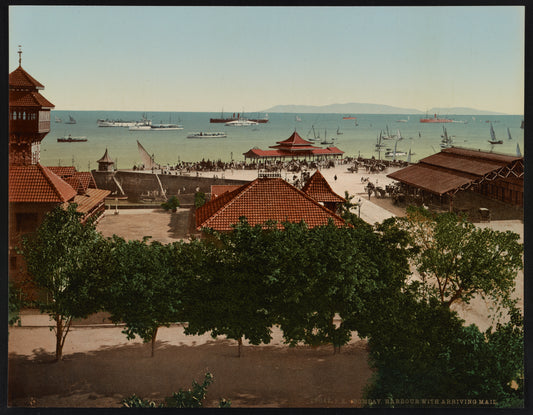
29	122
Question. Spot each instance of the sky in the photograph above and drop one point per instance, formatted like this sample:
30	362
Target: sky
154	58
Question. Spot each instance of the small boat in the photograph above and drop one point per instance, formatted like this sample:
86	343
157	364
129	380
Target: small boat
379	144
446	141
493	139
387	135
241	123
70	120
339	132
349	117
297	119
394	154
325	140
207	135
435	119
70	139
166	127
509	134
58	119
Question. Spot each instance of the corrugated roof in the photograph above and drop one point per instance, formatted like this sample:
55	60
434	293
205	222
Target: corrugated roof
319	189
36	183
90	199
432	178
262	200
451	169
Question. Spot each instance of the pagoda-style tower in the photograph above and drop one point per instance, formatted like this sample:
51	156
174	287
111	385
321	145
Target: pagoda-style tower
29	117
105	163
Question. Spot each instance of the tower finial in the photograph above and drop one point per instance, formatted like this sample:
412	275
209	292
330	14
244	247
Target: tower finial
20	55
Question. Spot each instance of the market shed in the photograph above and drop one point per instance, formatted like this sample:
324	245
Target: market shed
444	174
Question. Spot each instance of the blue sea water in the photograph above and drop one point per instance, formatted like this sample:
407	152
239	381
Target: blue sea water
358	136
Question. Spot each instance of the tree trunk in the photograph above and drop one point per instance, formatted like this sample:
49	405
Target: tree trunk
59	337
240	345
153	341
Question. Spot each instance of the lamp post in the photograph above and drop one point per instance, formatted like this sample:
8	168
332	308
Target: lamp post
359	207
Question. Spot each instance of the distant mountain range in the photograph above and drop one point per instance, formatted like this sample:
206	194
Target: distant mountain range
359	108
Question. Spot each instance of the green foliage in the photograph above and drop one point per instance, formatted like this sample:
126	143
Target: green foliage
142	289
231	293
458	260
199	199
64	258
17	300
171	204
425	351
191	398
134	401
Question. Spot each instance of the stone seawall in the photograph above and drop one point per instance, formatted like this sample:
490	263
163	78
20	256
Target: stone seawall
149	186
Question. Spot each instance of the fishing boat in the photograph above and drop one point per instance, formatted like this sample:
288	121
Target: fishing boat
403	120
297	119
241	122
70	139
70	120
325	141
509	134
339	132
349	117
379	144
207	135
387	135
58	119
435	119
493	139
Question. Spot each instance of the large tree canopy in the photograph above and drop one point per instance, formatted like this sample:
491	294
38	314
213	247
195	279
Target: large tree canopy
458	260
63	256
142	289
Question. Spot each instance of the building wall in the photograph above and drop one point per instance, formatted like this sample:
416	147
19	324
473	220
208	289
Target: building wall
139	185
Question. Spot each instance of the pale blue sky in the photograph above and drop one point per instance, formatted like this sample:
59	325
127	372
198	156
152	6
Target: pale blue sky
252	58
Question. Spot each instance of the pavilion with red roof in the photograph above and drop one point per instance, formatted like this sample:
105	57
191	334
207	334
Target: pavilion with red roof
262	200
292	148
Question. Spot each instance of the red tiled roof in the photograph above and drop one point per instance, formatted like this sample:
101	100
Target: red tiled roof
258	153
319	189
261	200
28	99
63	171
219	189
86	178
75	183
19	78
294	140
36	183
